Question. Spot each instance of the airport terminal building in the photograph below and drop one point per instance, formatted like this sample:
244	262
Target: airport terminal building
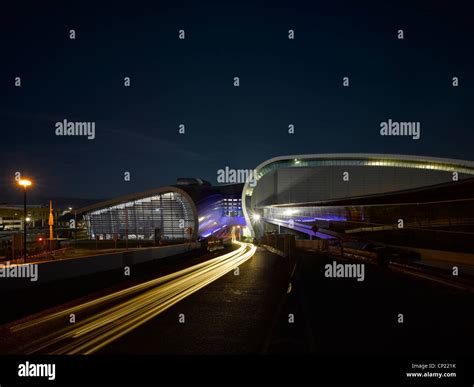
315	195
296	192
189	210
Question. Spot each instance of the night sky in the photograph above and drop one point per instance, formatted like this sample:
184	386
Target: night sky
190	81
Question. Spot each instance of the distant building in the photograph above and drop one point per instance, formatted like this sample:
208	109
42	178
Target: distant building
11	217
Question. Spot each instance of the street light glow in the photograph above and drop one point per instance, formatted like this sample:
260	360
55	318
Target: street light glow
25	182
256	217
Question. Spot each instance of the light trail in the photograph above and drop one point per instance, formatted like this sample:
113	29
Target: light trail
145	301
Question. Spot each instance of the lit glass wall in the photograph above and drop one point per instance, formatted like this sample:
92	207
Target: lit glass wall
170	215
217	212
232	207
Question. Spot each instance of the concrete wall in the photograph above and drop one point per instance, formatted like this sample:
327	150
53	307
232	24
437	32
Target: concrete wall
69	268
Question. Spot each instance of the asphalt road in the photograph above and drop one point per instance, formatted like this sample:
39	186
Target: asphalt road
205	308
23	303
210	308
232	315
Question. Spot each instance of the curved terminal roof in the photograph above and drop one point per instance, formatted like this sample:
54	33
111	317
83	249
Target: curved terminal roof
143	195
137	196
354	159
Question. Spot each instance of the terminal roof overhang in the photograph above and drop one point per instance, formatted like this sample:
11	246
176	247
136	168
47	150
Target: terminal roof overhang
423	162
135	196
369	156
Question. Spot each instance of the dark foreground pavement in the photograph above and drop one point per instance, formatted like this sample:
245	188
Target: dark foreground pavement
349	329
253	312
232	315
341	316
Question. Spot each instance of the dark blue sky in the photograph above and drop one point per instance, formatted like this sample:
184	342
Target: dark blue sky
174	81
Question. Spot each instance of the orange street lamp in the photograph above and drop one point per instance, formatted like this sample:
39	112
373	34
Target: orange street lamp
24	183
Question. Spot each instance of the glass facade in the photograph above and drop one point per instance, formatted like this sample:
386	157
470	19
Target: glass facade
168	215
217	212
232	207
